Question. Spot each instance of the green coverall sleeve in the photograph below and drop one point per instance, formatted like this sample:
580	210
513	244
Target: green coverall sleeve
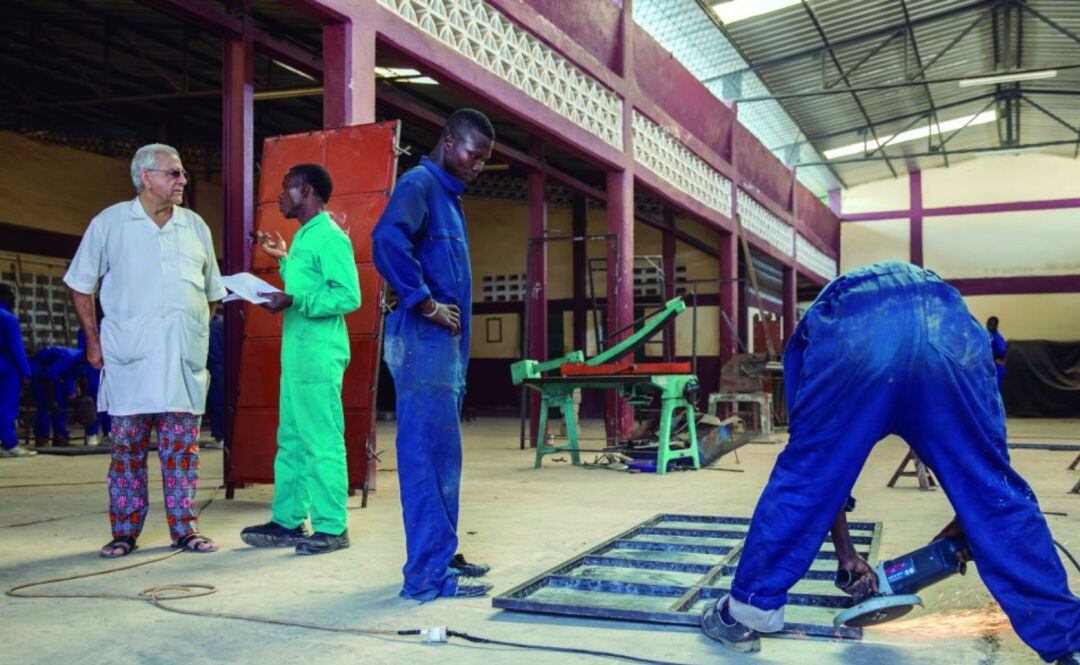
339	292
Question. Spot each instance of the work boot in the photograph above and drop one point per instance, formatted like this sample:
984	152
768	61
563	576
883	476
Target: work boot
718	624
462	567
18	451
42	442
61	441
323	543
273	534
472	590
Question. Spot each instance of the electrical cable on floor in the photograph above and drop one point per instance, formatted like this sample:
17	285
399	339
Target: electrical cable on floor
165	592
1068	554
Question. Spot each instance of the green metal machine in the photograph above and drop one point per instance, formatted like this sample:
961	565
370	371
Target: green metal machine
640	384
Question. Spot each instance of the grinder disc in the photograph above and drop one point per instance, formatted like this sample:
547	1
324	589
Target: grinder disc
878	609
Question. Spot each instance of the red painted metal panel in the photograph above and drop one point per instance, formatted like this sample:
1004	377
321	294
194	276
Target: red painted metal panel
260	376
346	210
358	391
354	158
361	159
366	320
286	152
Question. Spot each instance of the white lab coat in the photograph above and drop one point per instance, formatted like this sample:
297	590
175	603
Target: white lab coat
156	285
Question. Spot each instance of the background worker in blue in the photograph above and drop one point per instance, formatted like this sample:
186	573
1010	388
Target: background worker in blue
891	349
215	397
998	348
93	385
14	372
53	371
421	248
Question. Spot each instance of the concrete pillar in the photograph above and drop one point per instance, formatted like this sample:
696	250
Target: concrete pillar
791	298
238	186
348	74
668	255
536	298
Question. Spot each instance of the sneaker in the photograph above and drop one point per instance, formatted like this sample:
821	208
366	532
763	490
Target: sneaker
18	451
92	440
1072	659
213	444
273	534
323	543
722	627
473	590
462	567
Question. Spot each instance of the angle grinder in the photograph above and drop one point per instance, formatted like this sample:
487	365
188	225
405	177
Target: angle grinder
898	581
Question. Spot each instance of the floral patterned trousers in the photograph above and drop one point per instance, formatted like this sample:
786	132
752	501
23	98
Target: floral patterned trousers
178	450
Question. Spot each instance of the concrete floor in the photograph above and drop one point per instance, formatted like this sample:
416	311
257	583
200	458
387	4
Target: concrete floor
519	520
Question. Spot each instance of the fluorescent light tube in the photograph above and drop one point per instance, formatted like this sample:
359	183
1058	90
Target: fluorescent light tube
738	10
1007	78
911	135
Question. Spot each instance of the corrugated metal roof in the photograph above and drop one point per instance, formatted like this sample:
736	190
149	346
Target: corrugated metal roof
685	29
869	45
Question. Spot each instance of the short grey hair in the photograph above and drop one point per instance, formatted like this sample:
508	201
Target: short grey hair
145	159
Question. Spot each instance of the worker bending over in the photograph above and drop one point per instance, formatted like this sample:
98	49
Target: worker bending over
891	349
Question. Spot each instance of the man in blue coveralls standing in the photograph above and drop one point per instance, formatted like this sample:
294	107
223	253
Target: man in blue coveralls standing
998	348
14	370
891	349
421	248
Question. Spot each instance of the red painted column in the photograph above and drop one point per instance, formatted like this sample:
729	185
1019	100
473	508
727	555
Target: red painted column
620	283
536	299
580	253
729	294
915	188
348	74
791	299
238	186
619	415
668	256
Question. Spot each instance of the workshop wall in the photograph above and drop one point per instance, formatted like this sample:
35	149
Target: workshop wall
60	189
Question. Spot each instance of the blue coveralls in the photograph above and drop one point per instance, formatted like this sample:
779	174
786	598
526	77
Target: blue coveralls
892	349
13	367
54	370
215	364
998	348
421	248
93	383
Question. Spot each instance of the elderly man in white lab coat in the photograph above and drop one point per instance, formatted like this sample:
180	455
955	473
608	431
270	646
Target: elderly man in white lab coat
159	284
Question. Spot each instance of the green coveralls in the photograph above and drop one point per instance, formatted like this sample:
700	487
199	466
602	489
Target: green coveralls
309	470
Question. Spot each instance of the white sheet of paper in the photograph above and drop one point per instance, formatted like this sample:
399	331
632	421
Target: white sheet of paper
247	286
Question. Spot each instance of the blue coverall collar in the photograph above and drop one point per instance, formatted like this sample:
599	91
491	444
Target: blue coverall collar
452	184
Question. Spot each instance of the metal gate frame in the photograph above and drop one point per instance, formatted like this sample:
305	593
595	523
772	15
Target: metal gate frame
865	535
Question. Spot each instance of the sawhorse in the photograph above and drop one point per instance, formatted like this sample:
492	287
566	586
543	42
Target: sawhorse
926	480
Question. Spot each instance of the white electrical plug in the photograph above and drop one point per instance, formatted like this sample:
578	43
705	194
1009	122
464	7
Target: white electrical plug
434	635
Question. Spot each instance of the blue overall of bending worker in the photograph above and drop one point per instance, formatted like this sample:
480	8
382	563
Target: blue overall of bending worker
421	248
14	369
54	371
890	349
998	348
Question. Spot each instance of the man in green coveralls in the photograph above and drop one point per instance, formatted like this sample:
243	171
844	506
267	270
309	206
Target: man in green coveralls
321	287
